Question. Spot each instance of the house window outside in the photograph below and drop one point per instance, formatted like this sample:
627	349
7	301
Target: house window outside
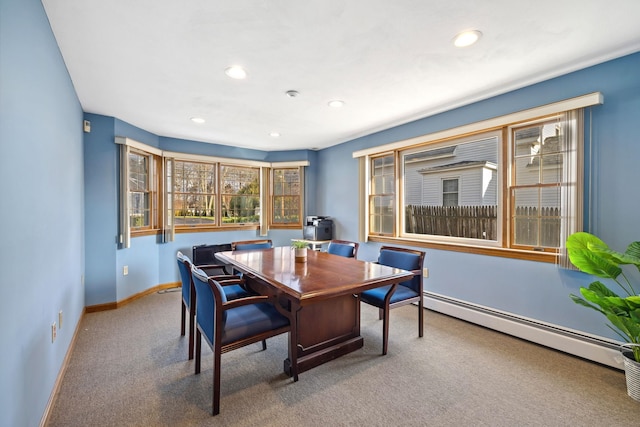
450	192
382	195
240	194
286	190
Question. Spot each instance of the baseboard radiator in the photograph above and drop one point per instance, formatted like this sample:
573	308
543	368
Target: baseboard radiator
606	352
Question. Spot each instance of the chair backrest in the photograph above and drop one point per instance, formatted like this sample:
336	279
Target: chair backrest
251	245
206	254
209	300
406	259
184	266
343	248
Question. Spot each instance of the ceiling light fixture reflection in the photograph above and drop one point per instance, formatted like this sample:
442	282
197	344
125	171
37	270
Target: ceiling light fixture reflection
467	38
336	103
274	134
198	120
236	72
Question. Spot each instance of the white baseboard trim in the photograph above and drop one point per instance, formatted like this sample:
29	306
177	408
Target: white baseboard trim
566	340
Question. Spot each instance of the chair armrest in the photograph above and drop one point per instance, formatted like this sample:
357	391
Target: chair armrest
230	282
221	277
206	267
245	301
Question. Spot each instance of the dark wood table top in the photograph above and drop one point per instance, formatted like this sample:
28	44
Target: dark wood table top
323	276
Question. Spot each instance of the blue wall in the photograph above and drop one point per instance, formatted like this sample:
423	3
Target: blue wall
41	172
59	216
531	289
151	263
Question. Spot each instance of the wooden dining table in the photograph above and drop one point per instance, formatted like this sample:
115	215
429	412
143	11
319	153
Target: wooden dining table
321	297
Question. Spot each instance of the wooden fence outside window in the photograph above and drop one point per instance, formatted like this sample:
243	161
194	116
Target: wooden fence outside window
481	222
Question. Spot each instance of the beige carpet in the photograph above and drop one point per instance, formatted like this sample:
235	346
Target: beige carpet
129	368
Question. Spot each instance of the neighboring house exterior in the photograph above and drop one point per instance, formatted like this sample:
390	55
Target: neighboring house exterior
457	175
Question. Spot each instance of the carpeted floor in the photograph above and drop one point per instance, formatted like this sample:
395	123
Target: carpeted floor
129	367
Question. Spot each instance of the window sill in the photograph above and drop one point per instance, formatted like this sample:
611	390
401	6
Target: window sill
140	233
479	250
286	226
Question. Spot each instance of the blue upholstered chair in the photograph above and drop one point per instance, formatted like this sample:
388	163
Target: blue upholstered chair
343	248
228	325
251	245
391	296
233	289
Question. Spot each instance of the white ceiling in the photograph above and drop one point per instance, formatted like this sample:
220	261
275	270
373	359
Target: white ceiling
157	63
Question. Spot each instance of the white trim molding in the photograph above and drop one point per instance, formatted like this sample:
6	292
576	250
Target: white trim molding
590	347
587	100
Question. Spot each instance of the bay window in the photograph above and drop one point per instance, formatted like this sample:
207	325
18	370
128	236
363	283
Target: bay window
165	192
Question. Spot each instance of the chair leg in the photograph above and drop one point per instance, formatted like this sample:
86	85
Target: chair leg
216	380
198	348
192	327
385	331
420	319
380	314
264	345
183	310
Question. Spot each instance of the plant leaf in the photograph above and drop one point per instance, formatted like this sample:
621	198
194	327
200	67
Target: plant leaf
591	255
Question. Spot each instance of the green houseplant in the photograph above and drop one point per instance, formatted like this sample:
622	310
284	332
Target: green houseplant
591	255
300	250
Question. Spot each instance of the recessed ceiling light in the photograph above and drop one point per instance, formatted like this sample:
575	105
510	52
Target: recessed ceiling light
336	103
292	93
467	38
198	120
236	72
274	134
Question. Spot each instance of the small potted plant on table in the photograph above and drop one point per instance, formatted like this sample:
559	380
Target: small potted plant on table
300	250
591	255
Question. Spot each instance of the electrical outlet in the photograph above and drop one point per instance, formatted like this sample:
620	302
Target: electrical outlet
125	270
425	272
53	332
60	319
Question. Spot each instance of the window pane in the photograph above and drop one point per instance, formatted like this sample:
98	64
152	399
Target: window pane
381	202
286	196
139	211
452	190
537	217
138	172
286	210
139	192
382	175
194	194
538	154
538	165
240	192
526	223
381	218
